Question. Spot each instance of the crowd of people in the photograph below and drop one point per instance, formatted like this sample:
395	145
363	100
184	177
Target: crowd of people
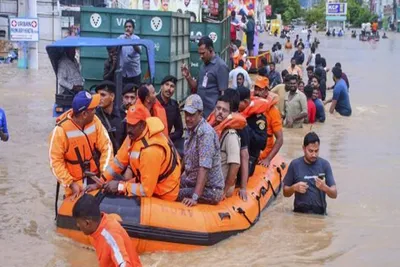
142	149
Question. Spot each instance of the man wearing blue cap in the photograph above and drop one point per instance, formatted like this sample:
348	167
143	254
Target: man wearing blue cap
79	143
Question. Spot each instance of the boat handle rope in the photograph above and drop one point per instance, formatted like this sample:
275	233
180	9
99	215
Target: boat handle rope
272	188
239	210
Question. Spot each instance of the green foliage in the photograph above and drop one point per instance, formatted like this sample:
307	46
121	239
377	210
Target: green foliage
316	15
289	9
357	14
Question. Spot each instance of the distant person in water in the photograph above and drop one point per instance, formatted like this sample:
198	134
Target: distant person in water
340	99
310	179
3	126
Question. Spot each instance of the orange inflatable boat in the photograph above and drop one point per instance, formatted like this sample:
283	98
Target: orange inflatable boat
159	225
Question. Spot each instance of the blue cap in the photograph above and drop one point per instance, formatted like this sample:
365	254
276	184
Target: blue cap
84	100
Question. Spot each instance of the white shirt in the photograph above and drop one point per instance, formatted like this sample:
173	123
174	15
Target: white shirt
233	77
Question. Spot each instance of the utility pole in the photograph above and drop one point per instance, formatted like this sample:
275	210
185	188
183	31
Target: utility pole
33	61
395	14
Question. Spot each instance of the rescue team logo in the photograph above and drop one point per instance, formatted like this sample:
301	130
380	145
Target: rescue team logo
156	24
213	36
88	96
95	20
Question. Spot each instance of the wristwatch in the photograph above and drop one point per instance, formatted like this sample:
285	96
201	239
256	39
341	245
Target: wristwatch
122	187
195	197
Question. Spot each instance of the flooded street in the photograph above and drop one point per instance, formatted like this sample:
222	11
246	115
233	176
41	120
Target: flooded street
363	225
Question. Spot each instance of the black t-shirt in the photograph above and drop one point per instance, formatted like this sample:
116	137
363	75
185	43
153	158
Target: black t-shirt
244	138
256	125
114	126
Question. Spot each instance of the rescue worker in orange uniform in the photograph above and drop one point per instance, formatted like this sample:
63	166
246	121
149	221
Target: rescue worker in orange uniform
151	155
147	97
274	121
112	243
79	143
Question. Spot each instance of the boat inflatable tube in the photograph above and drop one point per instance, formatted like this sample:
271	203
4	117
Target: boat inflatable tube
158	225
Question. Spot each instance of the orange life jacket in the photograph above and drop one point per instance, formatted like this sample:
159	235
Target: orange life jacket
168	181
257	106
234	121
113	244
81	155
236	60
159	112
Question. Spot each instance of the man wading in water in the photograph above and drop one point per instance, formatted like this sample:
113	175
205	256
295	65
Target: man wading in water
310	178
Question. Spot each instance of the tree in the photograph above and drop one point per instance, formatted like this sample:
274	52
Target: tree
356	14
316	15
289	9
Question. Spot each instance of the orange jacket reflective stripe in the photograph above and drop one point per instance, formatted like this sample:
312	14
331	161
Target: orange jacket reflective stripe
157	111
234	121
154	162
68	139
113	245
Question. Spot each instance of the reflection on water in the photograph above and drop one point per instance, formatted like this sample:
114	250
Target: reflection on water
362	227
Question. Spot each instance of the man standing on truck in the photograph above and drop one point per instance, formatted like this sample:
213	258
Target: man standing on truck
130	56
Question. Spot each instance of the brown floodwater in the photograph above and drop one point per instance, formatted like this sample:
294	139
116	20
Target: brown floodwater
363	225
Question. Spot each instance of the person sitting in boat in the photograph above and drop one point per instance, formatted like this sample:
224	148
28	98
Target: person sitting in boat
225	123
274	122
384	36
79	143
112	243
69	76
148	98
253	109
129	96
353	34
109	115
151	156
171	106
310	178
243	174
202	180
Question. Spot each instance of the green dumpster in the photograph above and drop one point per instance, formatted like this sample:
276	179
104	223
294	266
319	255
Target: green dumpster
169	31
219	32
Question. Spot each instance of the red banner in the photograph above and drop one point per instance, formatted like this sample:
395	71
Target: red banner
268	10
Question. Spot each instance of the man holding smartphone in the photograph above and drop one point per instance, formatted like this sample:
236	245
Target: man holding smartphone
310	178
